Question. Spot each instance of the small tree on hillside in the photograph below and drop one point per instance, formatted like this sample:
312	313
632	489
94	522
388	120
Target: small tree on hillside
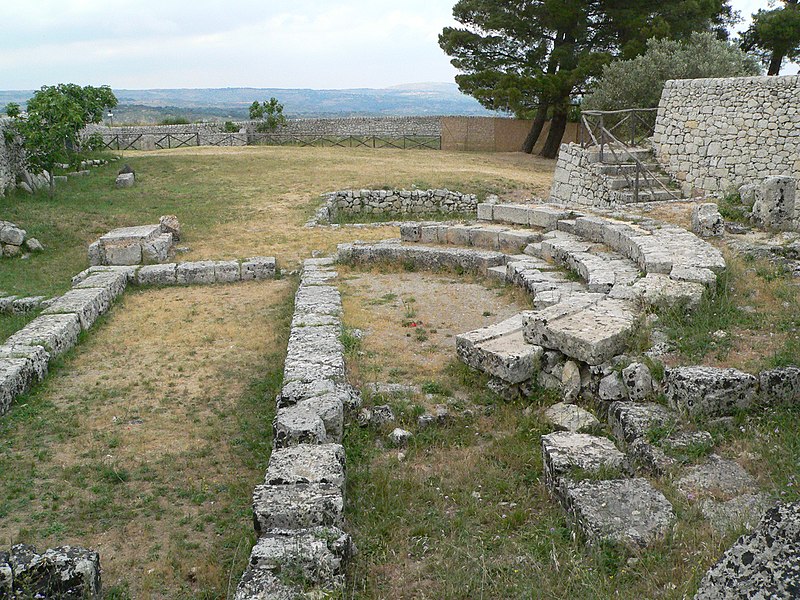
637	83
55	115
269	113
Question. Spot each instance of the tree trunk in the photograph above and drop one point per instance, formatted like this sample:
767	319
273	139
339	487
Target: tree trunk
536	129
557	127
52	181
775	64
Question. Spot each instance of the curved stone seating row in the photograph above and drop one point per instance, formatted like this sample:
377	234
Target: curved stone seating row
25	356
298	511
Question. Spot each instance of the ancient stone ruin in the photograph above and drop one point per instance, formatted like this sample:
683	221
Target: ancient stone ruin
143	244
14	241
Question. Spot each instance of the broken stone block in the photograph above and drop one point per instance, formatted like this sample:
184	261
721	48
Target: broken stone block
718	478
67	573
774	205
570	417
611	388
307	463
650	457
780	386
200	272
626	511
381	415
16	378
709	391
56	333
11	234
34	245
37	359
10	251
631	420
638	381
88	304
410	232
165	274
297	506
706	220
564	452
170	224
156	250
761	564
125	180
315	556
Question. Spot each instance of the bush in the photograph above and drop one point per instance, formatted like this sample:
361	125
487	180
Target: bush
637	83
230	127
174	121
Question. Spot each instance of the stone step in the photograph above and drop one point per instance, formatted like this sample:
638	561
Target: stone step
544	216
565	454
629	167
488	236
589	330
651	195
500	350
646	182
620	155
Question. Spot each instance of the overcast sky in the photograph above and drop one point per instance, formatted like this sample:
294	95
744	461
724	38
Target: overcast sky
239	43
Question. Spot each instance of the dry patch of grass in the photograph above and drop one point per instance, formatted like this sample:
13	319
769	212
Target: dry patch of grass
146	443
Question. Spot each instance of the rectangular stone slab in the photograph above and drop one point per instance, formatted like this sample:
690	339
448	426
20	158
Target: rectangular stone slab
626	511
297	506
88	304
307	464
563	452
113	281
57	333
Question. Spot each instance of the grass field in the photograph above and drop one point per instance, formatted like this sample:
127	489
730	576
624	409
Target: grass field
146	440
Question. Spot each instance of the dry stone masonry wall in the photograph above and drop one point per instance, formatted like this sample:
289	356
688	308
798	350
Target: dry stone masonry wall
298	511
393	202
715	134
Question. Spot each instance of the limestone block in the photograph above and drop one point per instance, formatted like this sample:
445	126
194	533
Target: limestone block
258	268
399	438
11	234
56	333
429	234
318	300
156	250
87	303
16	377
717	478
226	271
483	237
410	232
570	417
511	213
706	220
661	291
125	180
330	409
34	245
164	274
261	584
774	205
97	254
631	420
709	391
170	224
571	381
627	511
112	281
297	506
123	253
200	272
780	386
638	381
743	511
513	242
485	211
295	425
564	452
307	463
458	235
315	556
67	572
10	251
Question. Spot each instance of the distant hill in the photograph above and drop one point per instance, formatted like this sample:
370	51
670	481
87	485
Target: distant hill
151	106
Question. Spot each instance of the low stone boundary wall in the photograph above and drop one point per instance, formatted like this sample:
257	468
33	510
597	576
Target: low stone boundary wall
298	511
394	202
25	356
575	180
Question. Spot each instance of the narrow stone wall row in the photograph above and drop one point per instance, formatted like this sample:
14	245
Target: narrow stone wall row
25	356
298	511
394	202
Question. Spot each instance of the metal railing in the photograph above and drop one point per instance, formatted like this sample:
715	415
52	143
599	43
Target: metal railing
618	132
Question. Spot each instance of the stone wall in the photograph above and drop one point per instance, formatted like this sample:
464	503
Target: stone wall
394	202
716	134
494	134
575	181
